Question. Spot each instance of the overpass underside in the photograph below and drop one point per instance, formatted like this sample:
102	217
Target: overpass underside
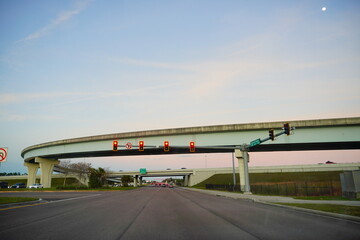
209	149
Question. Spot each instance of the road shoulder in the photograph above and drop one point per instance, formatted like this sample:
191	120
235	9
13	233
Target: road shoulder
277	200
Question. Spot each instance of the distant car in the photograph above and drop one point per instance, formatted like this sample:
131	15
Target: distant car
36	185
330	162
171	186
18	185
4	185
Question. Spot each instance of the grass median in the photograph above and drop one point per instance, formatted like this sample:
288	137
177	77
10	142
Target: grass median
333	208
66	188
7	200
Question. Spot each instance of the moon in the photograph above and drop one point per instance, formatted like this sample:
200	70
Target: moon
323	9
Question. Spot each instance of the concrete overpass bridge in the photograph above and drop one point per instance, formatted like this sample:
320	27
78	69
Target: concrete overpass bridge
138	176
323	134
195	176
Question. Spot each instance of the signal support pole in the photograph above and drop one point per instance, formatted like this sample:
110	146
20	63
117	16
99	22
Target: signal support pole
243	159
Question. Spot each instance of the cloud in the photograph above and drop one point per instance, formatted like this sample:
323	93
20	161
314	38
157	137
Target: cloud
62	18
73	97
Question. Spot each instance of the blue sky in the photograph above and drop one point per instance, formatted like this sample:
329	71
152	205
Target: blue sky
80	68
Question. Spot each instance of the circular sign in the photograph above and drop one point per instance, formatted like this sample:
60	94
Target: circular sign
128	145
3	154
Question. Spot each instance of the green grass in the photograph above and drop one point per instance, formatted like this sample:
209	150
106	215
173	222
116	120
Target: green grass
341	209
295	177
257	178
286	184
324	198
68	188
84	188
6	200
54	182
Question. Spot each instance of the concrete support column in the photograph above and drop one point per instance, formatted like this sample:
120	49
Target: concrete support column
190	181
140	181
186	181
243	159
32	171
47	167
135	181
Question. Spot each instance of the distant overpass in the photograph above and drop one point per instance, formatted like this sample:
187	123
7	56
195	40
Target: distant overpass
323	134
195	176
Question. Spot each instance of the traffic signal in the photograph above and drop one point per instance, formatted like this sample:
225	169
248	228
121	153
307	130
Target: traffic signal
166	146
115	145
287	128
141	146
192	146
271	134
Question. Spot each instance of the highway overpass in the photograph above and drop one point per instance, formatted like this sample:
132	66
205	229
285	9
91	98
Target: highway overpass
195	176
322	134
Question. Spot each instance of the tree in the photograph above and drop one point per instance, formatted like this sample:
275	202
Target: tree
81	169
65	168
126	179
97	177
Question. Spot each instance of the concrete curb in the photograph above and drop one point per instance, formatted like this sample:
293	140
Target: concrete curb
311	211
317	212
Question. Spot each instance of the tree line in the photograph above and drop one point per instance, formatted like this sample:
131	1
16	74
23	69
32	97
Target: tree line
97	177
12	174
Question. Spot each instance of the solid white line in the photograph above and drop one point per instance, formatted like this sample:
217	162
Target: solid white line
68	199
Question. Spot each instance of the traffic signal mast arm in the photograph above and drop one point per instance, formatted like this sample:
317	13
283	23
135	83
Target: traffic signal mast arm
286	130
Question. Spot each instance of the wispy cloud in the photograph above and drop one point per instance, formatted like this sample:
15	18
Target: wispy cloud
62	18
73	97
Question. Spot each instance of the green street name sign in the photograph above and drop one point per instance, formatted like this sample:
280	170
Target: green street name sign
142	170
255	142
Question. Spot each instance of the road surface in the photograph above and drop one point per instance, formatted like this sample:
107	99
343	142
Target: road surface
162	213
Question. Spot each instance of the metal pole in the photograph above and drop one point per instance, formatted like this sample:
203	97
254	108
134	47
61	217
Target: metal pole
246	170
234	176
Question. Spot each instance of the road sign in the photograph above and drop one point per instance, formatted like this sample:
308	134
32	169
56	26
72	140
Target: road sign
3	154
255	142
142	170
128	145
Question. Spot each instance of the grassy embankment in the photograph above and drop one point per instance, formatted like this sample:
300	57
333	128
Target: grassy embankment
290	183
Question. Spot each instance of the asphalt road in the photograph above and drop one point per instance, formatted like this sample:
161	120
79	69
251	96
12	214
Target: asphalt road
163	213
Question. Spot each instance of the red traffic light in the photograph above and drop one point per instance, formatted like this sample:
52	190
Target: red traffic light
166	146
192	146
115	145
141	146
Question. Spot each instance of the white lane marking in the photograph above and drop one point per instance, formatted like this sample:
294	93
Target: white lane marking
68	199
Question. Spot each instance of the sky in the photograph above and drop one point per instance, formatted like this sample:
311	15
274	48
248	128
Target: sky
81	68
